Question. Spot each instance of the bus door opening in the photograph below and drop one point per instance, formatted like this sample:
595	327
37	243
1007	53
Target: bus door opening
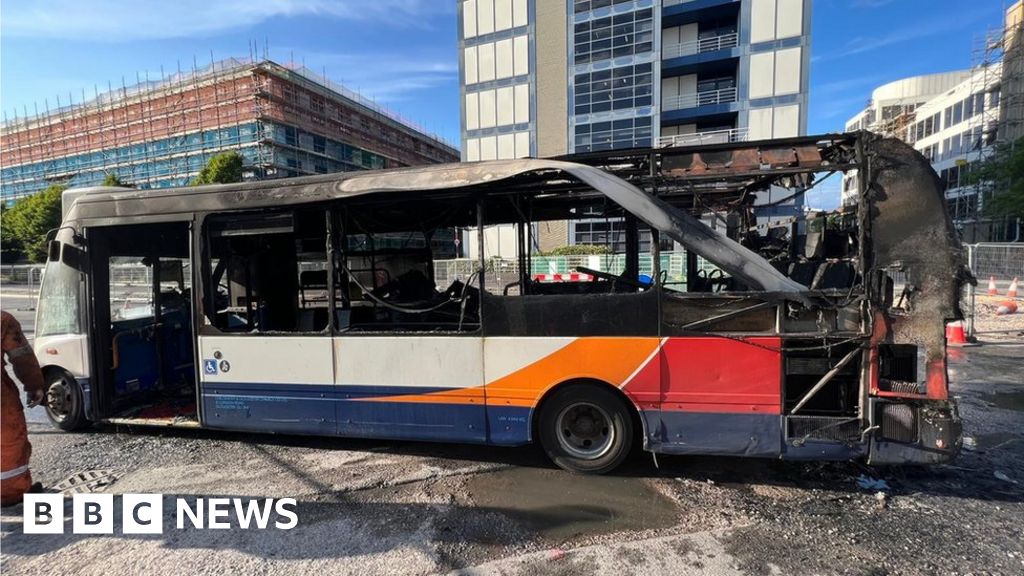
142	311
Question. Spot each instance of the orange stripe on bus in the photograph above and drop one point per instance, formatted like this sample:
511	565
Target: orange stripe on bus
610	360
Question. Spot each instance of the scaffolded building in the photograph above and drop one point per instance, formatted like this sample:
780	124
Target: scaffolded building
284	120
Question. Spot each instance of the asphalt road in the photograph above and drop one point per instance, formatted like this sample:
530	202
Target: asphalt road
373	507
22	305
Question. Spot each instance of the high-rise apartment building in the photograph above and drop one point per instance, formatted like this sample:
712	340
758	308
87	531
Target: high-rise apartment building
285	121
553	77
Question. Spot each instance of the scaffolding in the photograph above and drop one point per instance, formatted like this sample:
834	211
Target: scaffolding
997	84
160	132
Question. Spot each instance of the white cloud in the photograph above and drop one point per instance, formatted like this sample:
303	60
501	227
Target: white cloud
383	77
870	3
120	20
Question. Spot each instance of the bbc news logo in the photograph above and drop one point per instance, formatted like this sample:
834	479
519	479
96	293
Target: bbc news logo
144	513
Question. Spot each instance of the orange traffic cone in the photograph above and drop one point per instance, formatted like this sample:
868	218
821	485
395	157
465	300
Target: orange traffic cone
955	335
1008	307
1012	292
992	286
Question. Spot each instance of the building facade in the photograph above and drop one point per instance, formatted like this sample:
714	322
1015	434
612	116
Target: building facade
285	121
892	109
954	129
957	120
552	77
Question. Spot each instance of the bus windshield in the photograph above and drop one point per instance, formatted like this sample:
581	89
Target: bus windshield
59	300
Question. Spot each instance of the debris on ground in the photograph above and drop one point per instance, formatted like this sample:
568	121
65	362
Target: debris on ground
1000	475
866	482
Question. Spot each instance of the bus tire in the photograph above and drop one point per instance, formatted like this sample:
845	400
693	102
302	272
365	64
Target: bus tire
586	428
65	406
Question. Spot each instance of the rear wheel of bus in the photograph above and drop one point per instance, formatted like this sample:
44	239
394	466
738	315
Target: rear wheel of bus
64	401
586	428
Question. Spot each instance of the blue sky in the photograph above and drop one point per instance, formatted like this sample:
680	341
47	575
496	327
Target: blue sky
403	52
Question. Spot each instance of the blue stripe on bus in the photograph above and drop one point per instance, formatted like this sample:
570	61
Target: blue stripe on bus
331	390
714	433
338	410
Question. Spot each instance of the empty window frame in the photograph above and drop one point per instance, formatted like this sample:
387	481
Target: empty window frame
267	272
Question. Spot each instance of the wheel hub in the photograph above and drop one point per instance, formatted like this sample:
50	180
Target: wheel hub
585	430
58	399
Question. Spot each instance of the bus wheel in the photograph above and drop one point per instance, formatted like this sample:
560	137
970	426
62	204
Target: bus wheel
64	403
586	429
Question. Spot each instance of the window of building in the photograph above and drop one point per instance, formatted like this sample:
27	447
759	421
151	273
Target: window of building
588	5
613	37
958	113
617	134
611	232
616	89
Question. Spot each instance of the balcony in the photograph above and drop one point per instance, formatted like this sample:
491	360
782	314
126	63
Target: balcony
702	138
706	98
701	46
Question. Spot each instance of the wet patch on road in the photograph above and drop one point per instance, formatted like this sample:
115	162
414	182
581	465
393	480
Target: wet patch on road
561	506
1005	400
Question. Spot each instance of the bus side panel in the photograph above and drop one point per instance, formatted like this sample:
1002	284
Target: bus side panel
418	387
268	383
521	370
720	396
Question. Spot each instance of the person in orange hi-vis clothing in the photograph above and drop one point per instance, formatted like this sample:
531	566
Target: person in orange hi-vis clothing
15	479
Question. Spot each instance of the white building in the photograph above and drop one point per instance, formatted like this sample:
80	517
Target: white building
956	130
892	108
952	120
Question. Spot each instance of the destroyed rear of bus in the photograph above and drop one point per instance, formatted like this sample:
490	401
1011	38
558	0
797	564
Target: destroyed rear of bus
863	342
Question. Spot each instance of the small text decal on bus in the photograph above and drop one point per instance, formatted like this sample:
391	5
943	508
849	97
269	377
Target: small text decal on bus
144	513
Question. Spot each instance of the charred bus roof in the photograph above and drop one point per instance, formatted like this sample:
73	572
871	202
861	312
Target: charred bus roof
661	187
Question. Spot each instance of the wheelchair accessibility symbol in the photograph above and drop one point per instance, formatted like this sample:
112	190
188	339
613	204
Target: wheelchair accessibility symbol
210	367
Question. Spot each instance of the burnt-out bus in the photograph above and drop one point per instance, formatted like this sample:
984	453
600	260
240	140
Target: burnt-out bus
312	305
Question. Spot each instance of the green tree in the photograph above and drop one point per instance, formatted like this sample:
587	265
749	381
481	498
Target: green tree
10	245
1002	175
111	179
26	223
224	168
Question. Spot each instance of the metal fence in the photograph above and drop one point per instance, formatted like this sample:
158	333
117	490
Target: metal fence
23	276
502	272
1000	264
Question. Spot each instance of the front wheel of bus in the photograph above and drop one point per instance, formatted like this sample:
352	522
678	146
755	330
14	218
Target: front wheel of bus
64	402
586	429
